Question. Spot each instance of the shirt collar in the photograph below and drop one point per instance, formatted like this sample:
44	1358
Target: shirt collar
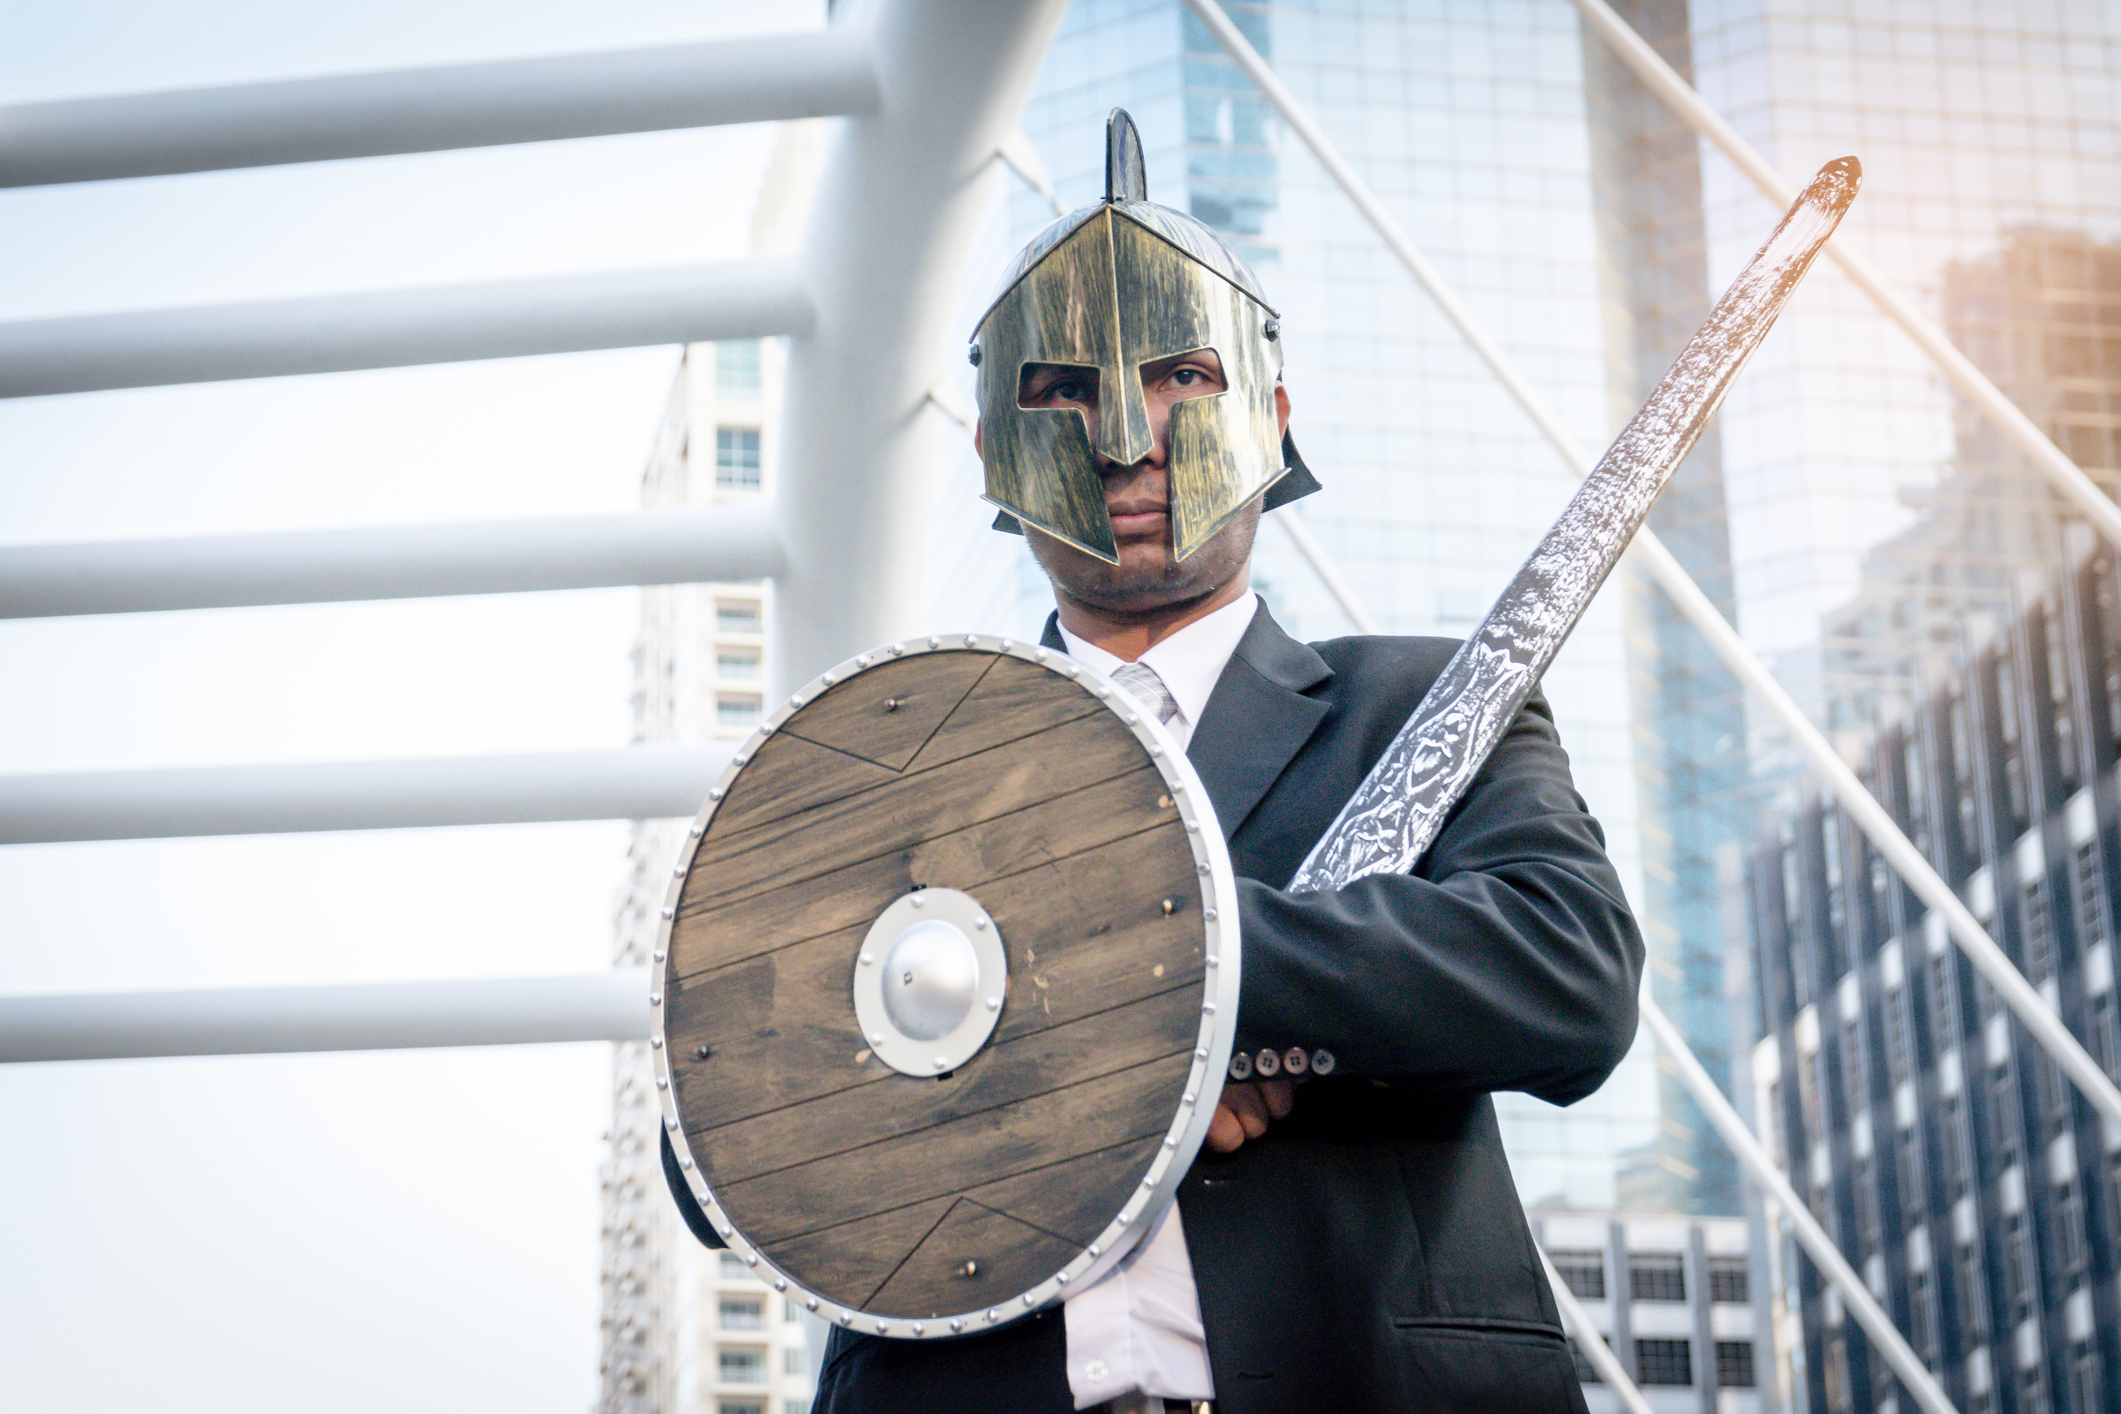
1190	661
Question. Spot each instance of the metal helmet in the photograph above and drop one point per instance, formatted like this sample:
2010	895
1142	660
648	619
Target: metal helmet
1110	288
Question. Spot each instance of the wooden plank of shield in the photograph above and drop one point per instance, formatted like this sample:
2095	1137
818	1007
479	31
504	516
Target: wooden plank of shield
913	1196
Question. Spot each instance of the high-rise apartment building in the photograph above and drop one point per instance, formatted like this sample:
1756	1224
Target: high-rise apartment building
687	1331
1953	1164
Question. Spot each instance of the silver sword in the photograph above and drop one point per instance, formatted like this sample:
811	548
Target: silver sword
1394	816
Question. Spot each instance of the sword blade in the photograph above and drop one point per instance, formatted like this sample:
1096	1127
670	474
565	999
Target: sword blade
1395	814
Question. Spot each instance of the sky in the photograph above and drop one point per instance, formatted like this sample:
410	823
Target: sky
413	1230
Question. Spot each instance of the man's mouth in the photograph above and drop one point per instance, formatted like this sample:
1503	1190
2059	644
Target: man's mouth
1132	519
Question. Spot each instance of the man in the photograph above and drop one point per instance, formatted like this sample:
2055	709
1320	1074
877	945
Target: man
1353	1241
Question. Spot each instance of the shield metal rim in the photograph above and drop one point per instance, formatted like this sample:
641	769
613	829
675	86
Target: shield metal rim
1211	1052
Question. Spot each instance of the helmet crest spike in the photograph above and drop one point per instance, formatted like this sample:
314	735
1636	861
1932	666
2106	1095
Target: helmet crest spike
1125	177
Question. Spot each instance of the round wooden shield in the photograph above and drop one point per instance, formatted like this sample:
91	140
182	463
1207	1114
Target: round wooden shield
946	978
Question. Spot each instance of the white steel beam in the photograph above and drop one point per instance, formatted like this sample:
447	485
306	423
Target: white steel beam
396	328
2068	479
1856	1298
1649	554
377	1016
641	782
897	203
679	545
748	80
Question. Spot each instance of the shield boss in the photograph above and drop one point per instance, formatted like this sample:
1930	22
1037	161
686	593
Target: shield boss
946	986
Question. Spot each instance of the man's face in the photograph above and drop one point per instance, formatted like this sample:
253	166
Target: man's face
1147	578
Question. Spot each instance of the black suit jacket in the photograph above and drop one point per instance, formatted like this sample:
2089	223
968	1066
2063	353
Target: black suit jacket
1370	1252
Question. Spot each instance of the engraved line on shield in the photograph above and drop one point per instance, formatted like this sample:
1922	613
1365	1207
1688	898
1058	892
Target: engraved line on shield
1221	892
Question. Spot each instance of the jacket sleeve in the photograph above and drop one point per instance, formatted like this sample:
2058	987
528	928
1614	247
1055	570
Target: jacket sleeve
681	1194
1507	961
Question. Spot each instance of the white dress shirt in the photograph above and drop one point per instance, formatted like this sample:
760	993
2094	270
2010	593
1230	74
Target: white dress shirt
1138	1327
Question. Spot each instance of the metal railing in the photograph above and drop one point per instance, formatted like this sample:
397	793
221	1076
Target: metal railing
756	79
673	545
399	328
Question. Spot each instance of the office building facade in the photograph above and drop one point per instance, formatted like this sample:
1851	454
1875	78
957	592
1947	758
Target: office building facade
1955	1168
1675	1299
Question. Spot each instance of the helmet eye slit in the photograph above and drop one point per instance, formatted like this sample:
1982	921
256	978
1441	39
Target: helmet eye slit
1053	385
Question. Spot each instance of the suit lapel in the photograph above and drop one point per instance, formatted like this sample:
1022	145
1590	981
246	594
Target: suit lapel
1257	719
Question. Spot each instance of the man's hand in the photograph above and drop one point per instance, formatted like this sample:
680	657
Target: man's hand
1245	1110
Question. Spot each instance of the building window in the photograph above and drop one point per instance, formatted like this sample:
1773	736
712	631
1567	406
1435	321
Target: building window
1734	1364
792	1361
795	1406
736	368
2091	897
741	663
1727	1281
741	1366
1586	1372
1582	1272
2039	932
743	1313
1664	1362
740	1406
736	458
736	709
738	616
2087	1390
1657	1276
733	1266
2069	1213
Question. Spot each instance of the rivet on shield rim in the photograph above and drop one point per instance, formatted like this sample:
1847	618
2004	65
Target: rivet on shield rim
715	794
1208	913
780	1283
658	954
686	1163
655	1043
1213	959
825	678
972	640
957	1325
810	1303
895	650
935	643
669	913
655	999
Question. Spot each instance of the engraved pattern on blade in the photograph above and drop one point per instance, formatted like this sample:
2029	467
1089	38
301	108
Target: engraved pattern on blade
1398	810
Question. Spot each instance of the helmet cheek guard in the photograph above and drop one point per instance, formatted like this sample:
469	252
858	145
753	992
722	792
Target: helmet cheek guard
1113	287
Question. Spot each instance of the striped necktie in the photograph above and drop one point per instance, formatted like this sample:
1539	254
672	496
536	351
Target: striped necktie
1140	682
